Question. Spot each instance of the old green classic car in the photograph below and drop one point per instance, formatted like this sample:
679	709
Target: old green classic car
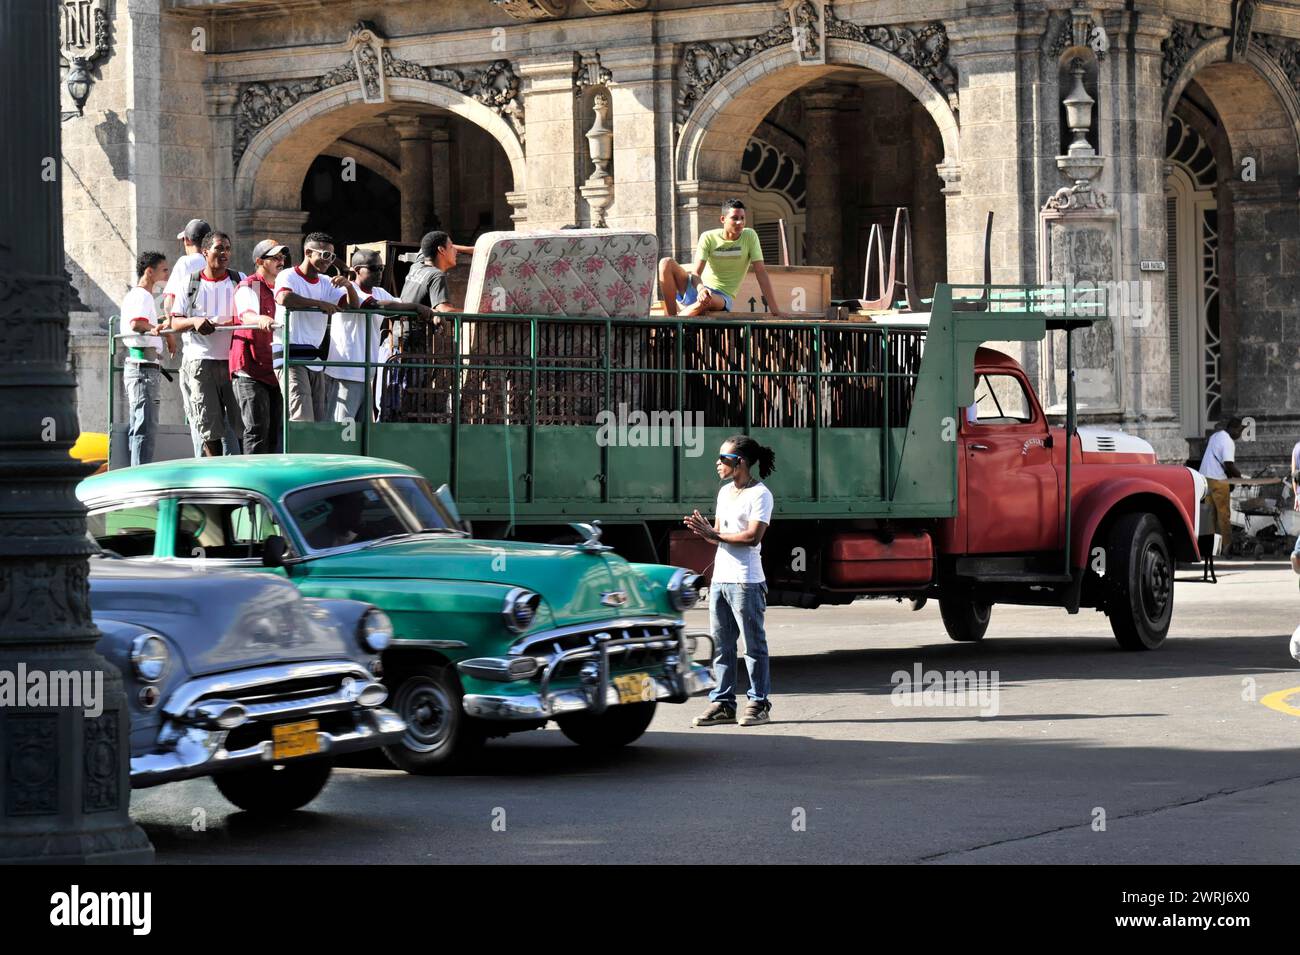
490	637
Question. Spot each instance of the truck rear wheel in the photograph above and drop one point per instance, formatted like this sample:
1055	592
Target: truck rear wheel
965	618
1140	580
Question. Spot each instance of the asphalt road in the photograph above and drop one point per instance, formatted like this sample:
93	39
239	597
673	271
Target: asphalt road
1093	755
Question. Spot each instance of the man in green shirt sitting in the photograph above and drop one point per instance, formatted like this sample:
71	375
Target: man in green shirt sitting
722	258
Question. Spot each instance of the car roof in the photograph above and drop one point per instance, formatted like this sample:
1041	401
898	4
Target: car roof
991	359
273	475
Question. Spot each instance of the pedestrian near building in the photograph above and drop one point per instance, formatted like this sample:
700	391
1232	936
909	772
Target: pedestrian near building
722	259
190	260
738	589
1295	476
346	385
205	306
252	362
312	296
142	367
1217	465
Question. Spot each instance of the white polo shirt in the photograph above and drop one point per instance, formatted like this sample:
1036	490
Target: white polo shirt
307	328
182	269
215	300
138	303
1218	449
348	335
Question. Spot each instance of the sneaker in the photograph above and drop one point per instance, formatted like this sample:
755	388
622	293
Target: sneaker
716	714
756	712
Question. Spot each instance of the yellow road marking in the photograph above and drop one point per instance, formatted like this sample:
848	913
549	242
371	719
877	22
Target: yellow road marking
1278	701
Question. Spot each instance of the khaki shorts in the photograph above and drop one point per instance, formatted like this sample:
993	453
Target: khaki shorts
308	394
212	400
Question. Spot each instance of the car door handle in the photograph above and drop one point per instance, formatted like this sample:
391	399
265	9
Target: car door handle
978	447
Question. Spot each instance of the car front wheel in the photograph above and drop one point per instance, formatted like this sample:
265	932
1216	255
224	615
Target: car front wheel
275	789
617	726
440	737
965	619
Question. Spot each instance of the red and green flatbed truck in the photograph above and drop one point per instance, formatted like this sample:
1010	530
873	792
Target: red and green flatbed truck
911	460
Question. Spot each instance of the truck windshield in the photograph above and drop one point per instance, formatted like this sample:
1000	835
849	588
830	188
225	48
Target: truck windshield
363	511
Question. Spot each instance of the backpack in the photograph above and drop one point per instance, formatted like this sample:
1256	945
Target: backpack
192	289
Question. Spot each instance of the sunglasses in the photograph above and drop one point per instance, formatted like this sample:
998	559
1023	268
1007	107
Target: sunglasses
729	458
322	254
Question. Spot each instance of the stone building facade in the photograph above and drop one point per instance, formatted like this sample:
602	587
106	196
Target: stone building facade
1181	182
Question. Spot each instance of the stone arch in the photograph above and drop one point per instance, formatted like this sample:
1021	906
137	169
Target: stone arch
1259	77
715	133
272	168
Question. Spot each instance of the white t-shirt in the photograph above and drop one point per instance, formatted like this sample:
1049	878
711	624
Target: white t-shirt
348	335
306	328
1218	449
138	303
183	268
735	563
215	300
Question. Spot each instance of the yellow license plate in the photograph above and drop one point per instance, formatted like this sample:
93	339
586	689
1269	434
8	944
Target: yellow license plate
635	688
295	739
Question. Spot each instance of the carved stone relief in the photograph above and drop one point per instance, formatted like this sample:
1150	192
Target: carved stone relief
533	9
496	86
924	48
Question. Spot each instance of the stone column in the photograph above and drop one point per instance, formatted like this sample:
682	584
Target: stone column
223	100
416	182
440	169
283	225
64	771
555	147
823	201
633	92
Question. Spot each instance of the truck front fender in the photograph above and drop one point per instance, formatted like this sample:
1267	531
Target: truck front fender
1104	502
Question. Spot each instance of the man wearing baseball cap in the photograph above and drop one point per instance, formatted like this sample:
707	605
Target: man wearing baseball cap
192	261
252	367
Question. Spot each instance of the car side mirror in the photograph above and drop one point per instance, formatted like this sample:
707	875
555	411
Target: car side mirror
443	494
274	550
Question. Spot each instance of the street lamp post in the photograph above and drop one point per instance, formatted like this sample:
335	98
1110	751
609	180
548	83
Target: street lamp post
63	768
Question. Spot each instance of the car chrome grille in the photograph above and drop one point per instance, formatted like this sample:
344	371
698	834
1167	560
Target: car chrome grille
663	640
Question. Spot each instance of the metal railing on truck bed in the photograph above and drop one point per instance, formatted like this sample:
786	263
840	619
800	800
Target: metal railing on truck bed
548	419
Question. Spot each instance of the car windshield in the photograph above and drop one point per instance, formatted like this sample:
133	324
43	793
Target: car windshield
363	511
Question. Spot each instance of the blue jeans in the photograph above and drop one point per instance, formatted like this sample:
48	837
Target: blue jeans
141	382
737	610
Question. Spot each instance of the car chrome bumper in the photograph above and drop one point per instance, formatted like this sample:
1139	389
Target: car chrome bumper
201	752
679	681
191	743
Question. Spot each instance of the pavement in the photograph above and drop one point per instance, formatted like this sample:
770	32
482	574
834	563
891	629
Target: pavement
1084	754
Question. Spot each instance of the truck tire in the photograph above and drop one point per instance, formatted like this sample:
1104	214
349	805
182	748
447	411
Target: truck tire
1140	582
275	789
440	737
617	726
965	619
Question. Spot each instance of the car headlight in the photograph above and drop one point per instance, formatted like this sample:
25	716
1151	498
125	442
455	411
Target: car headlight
681	589
519	610
375	631
149	656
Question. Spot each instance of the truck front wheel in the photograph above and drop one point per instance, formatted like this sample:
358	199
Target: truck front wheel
965	618
1140	578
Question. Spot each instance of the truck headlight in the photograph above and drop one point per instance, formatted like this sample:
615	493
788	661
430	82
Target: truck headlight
681	590
519	610
375	631
149	656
